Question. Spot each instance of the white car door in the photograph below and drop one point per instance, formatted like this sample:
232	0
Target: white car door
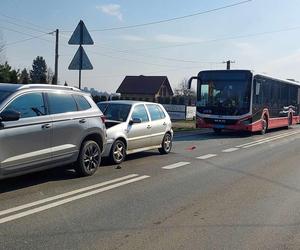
138	134
158	124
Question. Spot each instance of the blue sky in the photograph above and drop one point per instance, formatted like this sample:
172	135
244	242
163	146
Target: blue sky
149	50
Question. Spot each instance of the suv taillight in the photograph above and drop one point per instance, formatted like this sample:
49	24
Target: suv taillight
102	118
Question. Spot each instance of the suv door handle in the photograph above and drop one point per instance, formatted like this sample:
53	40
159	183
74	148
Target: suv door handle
47	125
165	124
149	126
82	121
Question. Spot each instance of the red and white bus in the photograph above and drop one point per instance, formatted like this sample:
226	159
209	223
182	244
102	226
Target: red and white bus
242	100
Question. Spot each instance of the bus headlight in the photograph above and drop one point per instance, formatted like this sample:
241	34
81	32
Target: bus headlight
247	121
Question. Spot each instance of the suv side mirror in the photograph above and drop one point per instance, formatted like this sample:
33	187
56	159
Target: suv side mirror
135	120
9	115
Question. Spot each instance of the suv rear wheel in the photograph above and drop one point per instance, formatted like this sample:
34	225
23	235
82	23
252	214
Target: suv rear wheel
89	158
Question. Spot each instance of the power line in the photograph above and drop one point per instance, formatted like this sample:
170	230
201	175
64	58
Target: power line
170	19
126	59
217	39
91	51
147	73
26	34
23	26
24	21
23	40
156	57
137	61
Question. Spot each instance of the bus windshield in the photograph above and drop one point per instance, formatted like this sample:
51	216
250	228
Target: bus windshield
223	96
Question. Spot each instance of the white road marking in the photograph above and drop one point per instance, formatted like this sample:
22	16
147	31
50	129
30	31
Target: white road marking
70	199
261	142
204	157
176	165
56	197
229	150
267	139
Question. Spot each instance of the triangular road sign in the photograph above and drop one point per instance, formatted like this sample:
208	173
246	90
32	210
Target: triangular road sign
81	35
80	61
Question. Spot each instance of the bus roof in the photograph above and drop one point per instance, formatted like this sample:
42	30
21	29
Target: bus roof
276	78
255	74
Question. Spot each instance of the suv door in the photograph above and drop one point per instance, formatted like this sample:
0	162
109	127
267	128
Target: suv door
69	125
138	134
26	143
158	123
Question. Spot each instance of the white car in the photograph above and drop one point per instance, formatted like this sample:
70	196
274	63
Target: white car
134	126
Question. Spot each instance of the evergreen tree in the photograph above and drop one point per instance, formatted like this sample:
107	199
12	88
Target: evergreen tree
14	76
24	77
7	74
38	74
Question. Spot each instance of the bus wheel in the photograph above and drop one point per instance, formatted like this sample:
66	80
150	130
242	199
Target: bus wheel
217	130
290	121
264	125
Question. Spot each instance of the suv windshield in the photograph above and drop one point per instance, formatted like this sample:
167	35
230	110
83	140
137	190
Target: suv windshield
4	95
115	111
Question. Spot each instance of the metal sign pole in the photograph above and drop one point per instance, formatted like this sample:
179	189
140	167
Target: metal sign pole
80	47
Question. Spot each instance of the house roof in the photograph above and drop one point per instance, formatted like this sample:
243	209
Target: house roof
143	85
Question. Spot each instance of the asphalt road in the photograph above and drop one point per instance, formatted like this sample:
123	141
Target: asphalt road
232	191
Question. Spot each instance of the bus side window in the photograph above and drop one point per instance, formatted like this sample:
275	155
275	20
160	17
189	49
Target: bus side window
265	93
258	93
257	88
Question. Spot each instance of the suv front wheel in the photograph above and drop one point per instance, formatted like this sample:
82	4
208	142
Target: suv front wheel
89	158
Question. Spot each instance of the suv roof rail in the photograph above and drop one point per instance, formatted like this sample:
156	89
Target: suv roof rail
32	86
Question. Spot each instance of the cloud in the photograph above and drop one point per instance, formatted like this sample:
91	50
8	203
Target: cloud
133	38
112	10
286	66
166	38
247	49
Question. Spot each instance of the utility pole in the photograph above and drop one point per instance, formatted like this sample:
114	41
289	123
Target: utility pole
56	58
228	64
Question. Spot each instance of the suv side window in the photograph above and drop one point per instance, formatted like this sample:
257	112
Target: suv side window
82	103
29	105
155	113
140	112
61	103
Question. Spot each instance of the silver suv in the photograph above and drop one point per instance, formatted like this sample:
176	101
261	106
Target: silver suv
43	126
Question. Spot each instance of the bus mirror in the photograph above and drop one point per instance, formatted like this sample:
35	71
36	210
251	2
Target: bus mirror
190	81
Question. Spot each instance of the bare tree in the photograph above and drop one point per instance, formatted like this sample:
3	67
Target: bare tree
2	49
50	76
183	89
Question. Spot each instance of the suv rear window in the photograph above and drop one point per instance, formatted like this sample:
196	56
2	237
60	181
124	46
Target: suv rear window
82	103
61	103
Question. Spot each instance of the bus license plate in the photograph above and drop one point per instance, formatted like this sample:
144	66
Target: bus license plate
219	126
